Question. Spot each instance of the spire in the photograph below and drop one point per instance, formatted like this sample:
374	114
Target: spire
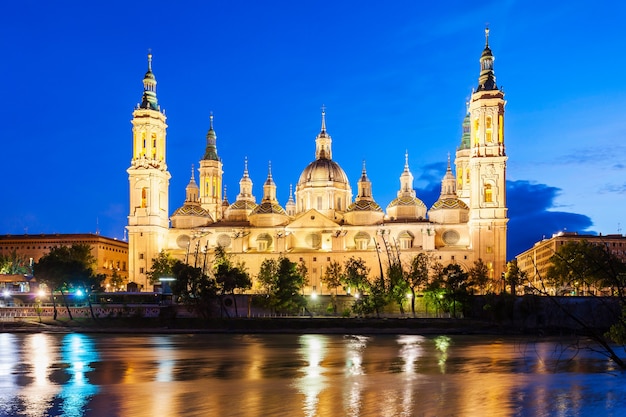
323	141
192	189
448	183
290	207
291	200
364	186
487	78
149	98
406	179
211	140
245	185
225	198
269	188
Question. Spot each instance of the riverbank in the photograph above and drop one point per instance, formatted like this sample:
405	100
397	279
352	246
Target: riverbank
321	325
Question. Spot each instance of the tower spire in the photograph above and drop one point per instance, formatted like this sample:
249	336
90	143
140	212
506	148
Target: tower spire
487	78
149	98
323	141
211	142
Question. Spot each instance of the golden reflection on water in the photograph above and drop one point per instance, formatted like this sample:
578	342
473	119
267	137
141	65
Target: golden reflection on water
224	375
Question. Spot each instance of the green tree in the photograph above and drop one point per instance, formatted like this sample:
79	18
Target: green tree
162	266
479	275
68	268
229	277
283	285
514	276
398	284
581	264
194	289
14	263
332	277
417	276
355	278
450	288
116	280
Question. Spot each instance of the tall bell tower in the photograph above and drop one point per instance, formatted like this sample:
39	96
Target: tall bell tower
487	168
148	220
211	176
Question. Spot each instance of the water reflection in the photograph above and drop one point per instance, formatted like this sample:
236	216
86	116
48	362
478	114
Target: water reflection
308	375
312	383
78	352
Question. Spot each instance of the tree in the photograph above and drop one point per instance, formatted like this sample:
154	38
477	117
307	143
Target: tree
195	289
579	264
68	268
15	264
479	275
417	277
332	278
229	277
356	277
514	276
116	280
449	288
161	267
398	284
283	285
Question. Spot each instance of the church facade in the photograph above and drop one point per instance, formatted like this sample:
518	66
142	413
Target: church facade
321	222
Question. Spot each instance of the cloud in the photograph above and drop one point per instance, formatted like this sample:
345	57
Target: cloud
530	210
530	217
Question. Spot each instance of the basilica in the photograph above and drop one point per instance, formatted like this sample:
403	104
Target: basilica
322	222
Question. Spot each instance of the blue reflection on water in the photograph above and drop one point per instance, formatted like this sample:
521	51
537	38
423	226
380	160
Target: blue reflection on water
78	353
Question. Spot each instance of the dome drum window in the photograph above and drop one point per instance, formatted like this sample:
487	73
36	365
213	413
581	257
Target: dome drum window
362	240
264	242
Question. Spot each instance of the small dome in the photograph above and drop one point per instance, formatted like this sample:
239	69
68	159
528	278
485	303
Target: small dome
449	203
323	170
243	205
191	210
406	201
364	205
268	207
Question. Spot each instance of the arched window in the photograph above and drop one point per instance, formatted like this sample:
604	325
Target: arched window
488	194
144	197
488	130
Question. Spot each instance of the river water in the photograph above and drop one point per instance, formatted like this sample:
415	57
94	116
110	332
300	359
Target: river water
303	375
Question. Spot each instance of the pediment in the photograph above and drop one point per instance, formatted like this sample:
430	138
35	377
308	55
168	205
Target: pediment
312	219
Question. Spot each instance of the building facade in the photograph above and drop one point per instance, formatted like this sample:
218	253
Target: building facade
110	254
536	261
321	222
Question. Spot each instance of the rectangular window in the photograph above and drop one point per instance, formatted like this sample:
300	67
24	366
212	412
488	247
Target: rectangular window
141	270
328	259
141	256
314	259
452	258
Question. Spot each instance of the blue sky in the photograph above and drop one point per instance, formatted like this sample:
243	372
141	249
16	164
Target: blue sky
394	76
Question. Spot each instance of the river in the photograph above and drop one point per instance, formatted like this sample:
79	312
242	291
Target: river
45	374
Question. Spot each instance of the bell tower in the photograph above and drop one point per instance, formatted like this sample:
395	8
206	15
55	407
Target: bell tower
211	176
148	220
487	168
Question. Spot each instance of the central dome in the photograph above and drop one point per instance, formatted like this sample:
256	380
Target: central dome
323	171
323	185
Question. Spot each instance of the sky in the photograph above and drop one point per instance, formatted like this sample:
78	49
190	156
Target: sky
394	77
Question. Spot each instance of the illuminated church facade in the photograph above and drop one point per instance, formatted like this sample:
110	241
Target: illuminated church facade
321	222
